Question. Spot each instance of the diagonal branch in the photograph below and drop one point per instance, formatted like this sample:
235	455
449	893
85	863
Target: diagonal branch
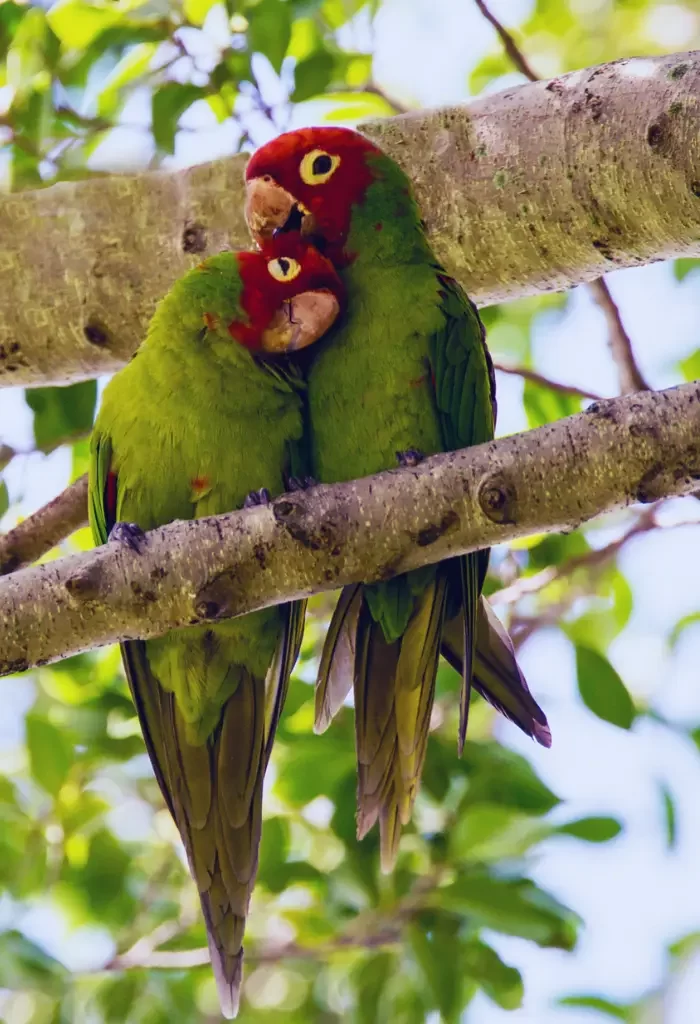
38	533
512	49
630	375
641	447
531	189
545	382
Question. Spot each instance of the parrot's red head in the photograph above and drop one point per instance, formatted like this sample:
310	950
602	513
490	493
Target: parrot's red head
309	180
291	293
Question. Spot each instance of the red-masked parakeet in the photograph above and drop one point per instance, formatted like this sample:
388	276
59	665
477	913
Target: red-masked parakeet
198	422
405	374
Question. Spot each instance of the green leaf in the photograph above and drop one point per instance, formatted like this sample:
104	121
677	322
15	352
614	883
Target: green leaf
61	414
688	620
168	104
117	997
78	22
501	983
312	75
270	30
500	776
669	817
274	848
438	953
50	753
4	498
544	405
489	832
615	1010
602	690
133	65
370	980
512	906
23	964
690	367
103	877
196	10
684	266
592	830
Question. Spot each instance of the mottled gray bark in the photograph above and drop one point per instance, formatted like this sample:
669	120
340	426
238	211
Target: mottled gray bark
637	448
531	189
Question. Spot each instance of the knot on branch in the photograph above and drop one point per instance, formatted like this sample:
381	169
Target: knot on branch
498	498
85	585
321	535
216	600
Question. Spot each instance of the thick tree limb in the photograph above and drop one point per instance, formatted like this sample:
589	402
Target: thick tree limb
49	525
531	189
637	448
38	533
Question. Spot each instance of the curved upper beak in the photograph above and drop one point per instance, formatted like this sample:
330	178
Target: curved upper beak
300	322
268	207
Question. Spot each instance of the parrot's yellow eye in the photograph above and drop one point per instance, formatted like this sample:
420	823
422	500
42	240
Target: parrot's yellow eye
284	268
317	167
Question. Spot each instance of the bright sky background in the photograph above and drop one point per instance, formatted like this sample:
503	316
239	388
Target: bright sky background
634	895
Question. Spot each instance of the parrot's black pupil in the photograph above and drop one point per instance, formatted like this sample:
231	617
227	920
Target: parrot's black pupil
283	265
322	164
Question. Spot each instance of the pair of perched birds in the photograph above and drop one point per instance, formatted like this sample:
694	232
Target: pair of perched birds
212	413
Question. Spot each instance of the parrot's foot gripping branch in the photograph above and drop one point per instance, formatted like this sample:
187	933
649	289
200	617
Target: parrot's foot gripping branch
255	498
409	458
130	534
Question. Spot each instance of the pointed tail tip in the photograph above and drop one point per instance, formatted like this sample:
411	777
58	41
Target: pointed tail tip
228	973
542	733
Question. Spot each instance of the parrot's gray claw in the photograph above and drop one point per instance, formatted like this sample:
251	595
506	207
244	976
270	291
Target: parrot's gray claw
255	498
130	534
411	457
298	483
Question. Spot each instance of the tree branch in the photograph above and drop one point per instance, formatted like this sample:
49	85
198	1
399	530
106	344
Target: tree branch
512	49
545	382
638	448
628	372
630	376
532	189
38	533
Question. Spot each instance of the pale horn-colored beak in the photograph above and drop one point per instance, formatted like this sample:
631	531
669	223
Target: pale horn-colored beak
268	206
300	322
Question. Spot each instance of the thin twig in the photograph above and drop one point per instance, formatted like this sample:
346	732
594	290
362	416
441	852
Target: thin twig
590	559
553	385
367	931
40	532
629	374
509	44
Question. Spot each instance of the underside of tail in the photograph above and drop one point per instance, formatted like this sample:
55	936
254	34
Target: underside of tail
496	674
394	690
214	789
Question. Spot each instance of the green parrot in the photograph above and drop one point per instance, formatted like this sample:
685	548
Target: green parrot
405	373
200	422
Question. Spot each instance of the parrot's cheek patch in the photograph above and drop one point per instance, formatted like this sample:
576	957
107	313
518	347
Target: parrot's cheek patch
268	206
300	322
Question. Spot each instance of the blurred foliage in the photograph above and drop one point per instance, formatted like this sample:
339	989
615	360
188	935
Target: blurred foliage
90	863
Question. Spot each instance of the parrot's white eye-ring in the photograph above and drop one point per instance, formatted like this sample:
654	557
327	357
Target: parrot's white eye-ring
284	268
317	167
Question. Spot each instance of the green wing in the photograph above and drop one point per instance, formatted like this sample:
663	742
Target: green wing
465	397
